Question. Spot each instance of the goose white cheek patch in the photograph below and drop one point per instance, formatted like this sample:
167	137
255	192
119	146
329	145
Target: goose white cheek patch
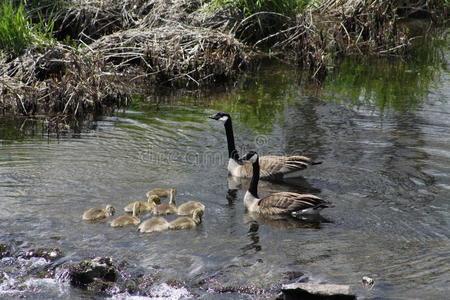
223	119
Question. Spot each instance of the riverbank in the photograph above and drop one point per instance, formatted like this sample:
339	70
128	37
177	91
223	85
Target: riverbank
100	53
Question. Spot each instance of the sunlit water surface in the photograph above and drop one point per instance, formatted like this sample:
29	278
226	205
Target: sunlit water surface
381	128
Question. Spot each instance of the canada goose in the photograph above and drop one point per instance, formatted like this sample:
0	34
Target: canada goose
154	224
188	208
187	222
127	220
272	167
166	208
153	200
97	213
162	192
278	203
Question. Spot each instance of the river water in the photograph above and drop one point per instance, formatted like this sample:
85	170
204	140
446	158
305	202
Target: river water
380	126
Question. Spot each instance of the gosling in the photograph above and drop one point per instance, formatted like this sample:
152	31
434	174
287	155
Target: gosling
98	213
161	192
144	206
165	209
127	220
153	225
187	222
186	209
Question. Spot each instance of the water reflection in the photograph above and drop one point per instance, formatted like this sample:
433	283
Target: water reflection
297	185
285	222
389	83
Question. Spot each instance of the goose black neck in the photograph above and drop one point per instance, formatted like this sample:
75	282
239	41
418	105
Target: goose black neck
253	189
232	152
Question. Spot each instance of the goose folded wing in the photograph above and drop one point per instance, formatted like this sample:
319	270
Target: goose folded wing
289	202
279	165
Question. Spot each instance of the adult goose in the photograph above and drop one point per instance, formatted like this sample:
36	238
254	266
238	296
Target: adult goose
278	203
272	167
98	213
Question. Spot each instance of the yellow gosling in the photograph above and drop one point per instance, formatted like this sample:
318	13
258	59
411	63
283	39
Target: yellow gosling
127	220
167	208
98	213
149	205
186	209
161	192
187	222
154	224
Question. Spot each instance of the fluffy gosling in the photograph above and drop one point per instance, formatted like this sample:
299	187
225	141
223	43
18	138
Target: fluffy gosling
127	220
98	213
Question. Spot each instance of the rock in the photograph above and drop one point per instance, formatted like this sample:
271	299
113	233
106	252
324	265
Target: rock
5	250
316	291
49	254
96	274
368	282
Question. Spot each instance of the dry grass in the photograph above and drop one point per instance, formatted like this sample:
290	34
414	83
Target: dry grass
174	54
90	19
60	81
182	43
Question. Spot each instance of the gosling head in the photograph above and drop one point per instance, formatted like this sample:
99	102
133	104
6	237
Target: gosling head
110	210
155	199
220	116
251	156
197	214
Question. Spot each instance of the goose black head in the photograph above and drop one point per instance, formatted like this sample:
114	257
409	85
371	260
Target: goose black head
221	116
251	156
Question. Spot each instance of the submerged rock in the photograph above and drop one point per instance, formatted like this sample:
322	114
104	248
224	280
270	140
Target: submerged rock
50	254
5	250
316	291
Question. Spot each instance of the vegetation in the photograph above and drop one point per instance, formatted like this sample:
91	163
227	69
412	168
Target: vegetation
250	7
261	18
17	32
97	53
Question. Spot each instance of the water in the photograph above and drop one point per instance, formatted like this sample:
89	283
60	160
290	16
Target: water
381	128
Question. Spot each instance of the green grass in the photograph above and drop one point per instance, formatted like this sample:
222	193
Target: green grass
250	7
261	18
17	32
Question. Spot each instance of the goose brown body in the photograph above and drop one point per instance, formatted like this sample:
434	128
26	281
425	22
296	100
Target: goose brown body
278	203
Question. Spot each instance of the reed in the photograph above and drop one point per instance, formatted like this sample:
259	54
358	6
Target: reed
258	19
17	31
